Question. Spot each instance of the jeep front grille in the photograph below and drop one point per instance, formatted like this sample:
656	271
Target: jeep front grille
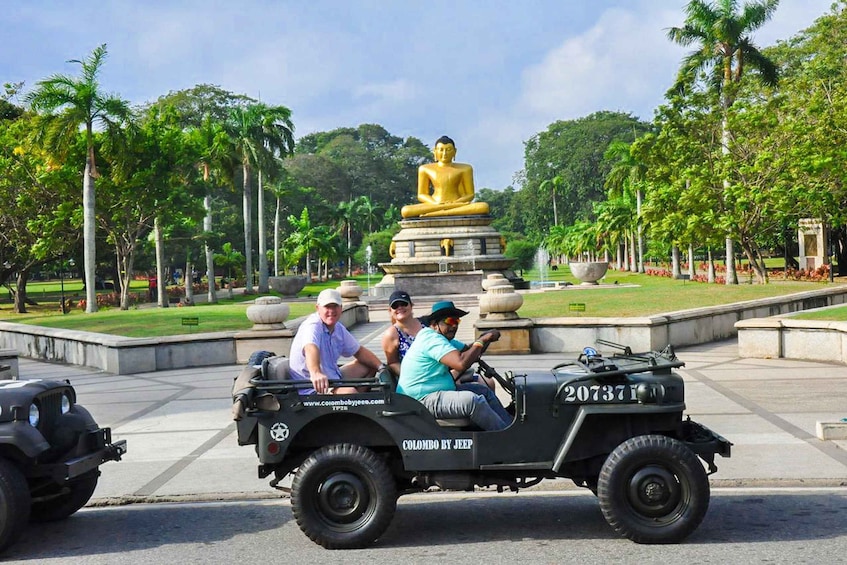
50	404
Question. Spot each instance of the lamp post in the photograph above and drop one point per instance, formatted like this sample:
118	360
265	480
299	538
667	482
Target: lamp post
368	255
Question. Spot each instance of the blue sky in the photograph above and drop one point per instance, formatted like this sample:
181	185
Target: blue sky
489	74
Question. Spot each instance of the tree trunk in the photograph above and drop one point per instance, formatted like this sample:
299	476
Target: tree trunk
731	275
124	260
619	256
263	240
89	254
247	205
758	269
20	291
691	270
675	270
162	278
633	260
276	238
711	266
210	254
638	197
188	281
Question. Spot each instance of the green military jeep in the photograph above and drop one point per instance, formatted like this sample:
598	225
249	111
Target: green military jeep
50	453
614	425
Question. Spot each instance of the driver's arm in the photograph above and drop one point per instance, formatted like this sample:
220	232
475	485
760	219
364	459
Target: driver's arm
460	361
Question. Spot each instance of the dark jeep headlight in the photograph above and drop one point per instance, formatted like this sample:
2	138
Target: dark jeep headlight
34	415
66	403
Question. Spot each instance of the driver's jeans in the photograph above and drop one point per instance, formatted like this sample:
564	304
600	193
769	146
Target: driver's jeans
471	400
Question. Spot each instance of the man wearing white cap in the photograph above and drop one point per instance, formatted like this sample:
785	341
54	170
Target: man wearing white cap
320	341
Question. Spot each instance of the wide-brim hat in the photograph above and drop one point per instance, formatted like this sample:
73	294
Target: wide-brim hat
441	310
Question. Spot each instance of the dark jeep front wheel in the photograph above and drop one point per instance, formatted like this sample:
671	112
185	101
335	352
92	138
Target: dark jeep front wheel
653	489
343	496
14	503
66	499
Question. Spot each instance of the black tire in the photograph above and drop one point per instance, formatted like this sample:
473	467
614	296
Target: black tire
343	496
14	504
653	489
69	498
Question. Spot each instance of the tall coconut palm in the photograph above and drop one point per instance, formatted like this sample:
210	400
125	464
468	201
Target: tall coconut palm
215	157
258	132
68	103
724	52
554	185
626	176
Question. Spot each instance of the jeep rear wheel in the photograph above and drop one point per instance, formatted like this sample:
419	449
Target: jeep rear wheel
66	499
653	489
14	503
343	496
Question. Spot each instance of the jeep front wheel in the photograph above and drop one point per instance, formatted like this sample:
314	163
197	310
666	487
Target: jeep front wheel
653	489
14	503
66	499
343	496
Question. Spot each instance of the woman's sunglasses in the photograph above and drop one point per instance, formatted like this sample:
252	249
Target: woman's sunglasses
399	304
451	321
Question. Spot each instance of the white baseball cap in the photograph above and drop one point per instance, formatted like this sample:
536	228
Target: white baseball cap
329	296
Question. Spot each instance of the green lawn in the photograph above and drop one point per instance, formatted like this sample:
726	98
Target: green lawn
838	314
652	295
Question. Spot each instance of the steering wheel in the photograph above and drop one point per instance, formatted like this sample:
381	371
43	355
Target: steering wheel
488	371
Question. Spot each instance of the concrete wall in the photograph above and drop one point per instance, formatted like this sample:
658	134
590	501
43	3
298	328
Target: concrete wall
784	337
686	327
124	355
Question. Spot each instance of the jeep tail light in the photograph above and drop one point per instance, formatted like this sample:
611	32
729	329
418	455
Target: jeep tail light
273	448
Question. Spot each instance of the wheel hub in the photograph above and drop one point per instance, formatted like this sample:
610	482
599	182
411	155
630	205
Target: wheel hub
654	491
343	498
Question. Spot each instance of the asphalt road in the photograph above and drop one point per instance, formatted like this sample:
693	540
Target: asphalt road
742	526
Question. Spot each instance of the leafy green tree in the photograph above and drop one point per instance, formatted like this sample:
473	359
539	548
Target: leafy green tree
151	174
230	259
39	220
573	151
523	251
257	132
70	102
304	238
723	53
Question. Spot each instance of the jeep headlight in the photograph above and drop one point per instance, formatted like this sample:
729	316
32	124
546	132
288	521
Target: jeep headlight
650	393
34	415
66	403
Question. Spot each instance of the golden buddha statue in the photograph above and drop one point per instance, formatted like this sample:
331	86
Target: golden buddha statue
445	188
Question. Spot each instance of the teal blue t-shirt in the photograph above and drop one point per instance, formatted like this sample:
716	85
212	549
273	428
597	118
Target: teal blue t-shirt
422	371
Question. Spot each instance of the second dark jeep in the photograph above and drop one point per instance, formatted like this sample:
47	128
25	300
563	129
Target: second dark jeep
613	425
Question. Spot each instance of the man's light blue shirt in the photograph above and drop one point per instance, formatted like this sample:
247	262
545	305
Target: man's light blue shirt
340	343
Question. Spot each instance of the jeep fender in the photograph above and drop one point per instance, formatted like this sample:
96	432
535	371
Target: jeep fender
636	410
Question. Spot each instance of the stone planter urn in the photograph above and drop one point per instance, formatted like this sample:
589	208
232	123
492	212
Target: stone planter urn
494	279
589	272
287	286
500	302
268	313
350	290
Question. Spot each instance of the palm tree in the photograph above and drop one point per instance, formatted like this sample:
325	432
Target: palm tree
626	176
215	156
347	214
304	239
554	185
68	103
258	132
724	52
